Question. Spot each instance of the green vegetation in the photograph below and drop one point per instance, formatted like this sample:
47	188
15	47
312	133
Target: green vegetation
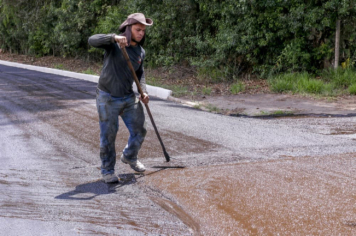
178	90
263	113
197	106
352	89
212	108
275	113
89	71
154	81
237	87
206	90
209	74
221	39
59	66
289	42
330	83
282	113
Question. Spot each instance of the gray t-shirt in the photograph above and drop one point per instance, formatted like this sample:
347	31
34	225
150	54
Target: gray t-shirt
116	77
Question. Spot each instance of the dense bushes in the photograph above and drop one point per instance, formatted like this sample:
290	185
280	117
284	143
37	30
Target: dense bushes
221	38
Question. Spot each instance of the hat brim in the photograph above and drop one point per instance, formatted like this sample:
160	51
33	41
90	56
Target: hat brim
132	21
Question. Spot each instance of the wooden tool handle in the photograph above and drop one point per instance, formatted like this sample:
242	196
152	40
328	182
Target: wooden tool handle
146	105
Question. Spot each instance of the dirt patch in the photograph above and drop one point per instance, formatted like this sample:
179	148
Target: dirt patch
197	87
280	105
292	196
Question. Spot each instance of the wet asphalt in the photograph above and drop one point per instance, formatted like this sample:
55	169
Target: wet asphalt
241	176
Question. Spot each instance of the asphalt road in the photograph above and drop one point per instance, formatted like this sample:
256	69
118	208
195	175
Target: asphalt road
242	176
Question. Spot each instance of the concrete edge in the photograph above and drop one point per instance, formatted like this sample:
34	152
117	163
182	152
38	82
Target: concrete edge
152	90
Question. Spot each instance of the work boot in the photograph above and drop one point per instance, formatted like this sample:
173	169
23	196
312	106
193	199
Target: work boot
135	165
110	178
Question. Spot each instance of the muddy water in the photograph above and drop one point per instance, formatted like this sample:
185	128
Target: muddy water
304	196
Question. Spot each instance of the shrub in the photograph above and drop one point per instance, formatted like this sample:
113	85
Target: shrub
308	85
282	83
237	87
206	90
329	90
340	78
299	82
352	89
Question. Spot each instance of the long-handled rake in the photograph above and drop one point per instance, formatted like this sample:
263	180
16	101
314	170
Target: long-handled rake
123	49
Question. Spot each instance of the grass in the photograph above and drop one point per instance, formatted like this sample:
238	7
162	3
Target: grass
210	75
282	83
206	90
330	83
197	106
309	85
154	81
237	87
59	66
340	78
212	108
282	113
275	113
352	89
89	71
178	90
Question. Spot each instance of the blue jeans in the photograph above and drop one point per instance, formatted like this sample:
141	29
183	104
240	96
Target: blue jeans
131	111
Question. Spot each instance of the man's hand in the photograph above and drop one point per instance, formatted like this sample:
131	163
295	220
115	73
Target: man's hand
121	40
145	98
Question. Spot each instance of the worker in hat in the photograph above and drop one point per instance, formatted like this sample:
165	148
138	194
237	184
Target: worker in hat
114	94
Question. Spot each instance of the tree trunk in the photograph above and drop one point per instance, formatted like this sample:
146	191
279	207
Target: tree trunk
337	44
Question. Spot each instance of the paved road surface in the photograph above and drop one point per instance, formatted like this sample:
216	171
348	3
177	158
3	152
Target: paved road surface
242	176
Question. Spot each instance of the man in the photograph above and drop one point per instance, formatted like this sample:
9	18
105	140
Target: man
115	95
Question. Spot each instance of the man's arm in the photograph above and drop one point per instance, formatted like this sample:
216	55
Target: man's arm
106	40
101	40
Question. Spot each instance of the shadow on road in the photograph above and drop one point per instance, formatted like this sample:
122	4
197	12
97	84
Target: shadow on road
91	190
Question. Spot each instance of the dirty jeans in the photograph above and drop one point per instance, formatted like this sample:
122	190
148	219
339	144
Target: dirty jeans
131	111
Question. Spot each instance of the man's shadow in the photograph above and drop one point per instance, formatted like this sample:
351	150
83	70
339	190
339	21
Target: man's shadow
89	191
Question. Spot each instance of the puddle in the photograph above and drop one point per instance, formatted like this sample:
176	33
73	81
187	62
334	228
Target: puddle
299	196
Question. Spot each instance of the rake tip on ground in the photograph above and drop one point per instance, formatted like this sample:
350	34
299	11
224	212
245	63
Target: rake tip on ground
167	156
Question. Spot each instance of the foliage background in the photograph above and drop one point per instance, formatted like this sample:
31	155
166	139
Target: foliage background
221	38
